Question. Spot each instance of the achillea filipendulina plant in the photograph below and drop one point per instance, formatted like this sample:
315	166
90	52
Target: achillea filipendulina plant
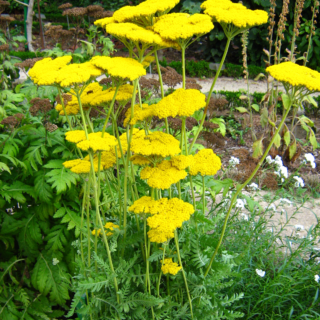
137	182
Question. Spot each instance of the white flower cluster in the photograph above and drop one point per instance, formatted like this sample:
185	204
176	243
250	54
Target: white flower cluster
299	182
241	203
309	157
281	170
55	261
260	273
253	186
316	278
285	201
233	161
271	207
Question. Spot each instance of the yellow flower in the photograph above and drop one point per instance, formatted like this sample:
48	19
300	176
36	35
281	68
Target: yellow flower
45	71
75	136
177	26
138	114
96	142
227	12
182	102
104	21
147	61
296	75
206	162
170	267
144	11
145	205
182	162
81	166
163	175
139	160
156	143
137	34
119	67
77	74
108	226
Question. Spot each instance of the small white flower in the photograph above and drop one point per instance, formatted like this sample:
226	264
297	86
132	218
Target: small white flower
316	278
271	207
55	261
299	227
253	186
240	203
260	273
245	216
299	182
285	201
233	161
278	161
269	159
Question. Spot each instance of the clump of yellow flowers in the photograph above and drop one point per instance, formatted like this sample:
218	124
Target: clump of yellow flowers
168	266
109	226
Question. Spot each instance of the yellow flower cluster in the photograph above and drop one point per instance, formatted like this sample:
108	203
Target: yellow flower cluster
136	135
139	160
147	61
171	214
206	162
94	95
182	162
110	226
80	73
227	12
170	267
167	215
119	67
156	143
138	114
176	26
95	142
145	9
182	102
45	71
81	166
104	21
163	175
108	159
296	75
136	34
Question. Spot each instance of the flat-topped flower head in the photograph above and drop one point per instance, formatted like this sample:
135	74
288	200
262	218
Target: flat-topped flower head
182	162
140	160
295	75
226	12
171	215
119	67
94	142
144	12
182	102
108	159
177	26
168	266
81	166
156	143
97	143
45	71
206	162
144	205
137	34
147	61
104	22
163	175
136	134
75	74
139	114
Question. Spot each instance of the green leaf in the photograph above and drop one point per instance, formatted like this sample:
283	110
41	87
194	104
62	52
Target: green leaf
313	140
4	167
292	149
277	140
264	117
311	100
255	107
286	101
221	123
286	137
242	109
42	188
257	149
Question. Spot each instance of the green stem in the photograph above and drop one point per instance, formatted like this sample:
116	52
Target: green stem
168	285
82	115
244	184
210	92
88	221
109	112
64	109
176	239
203	197
104	236
183	54
158	284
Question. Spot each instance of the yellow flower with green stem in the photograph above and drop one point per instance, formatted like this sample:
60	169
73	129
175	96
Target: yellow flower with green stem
234	19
